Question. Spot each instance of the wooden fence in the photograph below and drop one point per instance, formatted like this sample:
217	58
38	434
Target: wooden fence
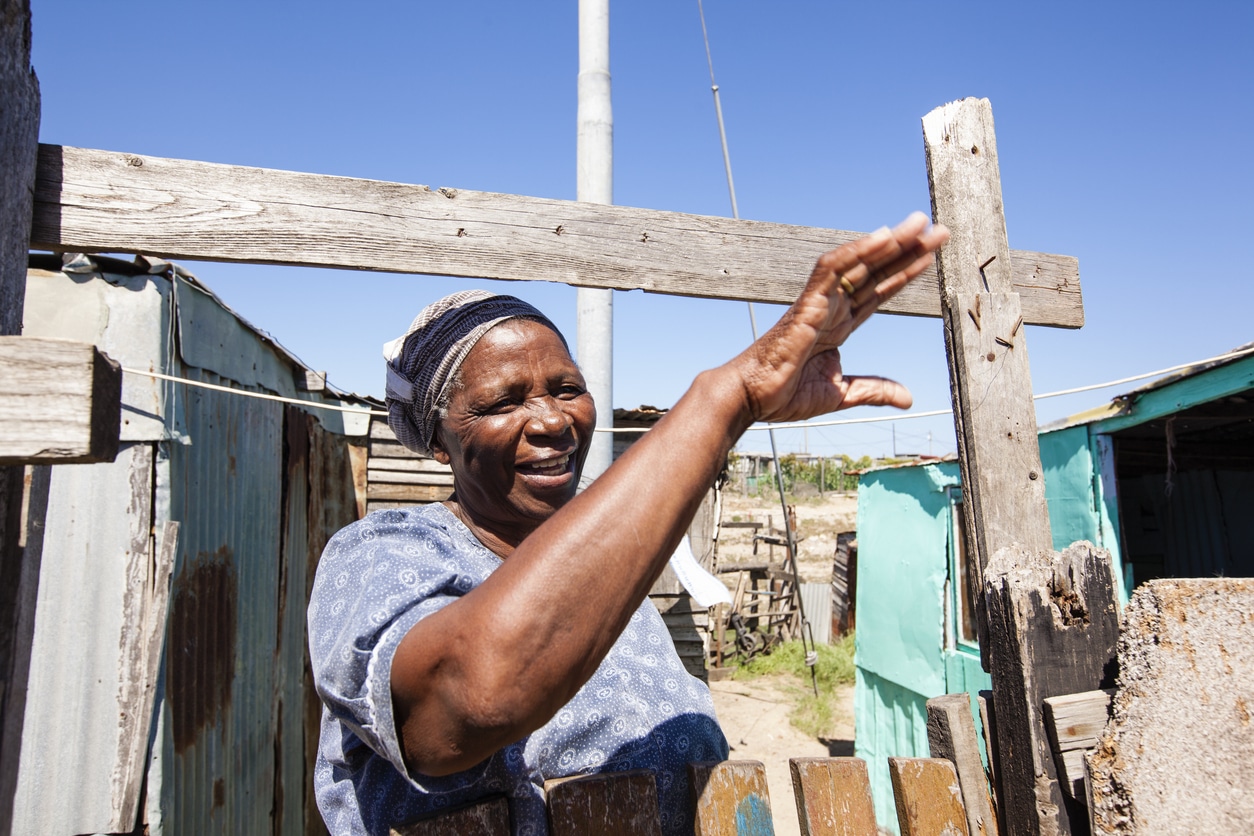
731	798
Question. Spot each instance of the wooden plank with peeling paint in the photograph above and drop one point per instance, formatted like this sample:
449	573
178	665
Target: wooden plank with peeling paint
951	735
929	800
833	797
731	799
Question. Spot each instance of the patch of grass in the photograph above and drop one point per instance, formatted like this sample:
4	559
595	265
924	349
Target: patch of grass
814	715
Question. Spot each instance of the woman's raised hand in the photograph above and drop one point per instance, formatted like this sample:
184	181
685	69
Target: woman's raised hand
793	372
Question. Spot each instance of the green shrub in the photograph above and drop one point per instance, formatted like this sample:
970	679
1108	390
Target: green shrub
814	715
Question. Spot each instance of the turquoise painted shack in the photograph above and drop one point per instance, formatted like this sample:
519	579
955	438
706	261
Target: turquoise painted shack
1162	477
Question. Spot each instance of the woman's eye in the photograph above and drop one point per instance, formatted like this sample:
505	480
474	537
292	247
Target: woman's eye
497	407
570	391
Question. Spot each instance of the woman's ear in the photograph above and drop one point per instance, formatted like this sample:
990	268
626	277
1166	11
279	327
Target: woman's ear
437	449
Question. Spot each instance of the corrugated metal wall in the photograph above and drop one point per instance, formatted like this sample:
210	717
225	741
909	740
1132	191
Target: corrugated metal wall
816	600
258	488
226	488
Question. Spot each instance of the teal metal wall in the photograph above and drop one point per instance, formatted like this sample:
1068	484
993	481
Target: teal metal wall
907	647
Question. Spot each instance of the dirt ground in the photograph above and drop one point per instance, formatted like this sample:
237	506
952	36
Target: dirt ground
754	716
819	520
754	713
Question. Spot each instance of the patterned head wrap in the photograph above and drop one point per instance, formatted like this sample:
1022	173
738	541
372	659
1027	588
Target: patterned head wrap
422	362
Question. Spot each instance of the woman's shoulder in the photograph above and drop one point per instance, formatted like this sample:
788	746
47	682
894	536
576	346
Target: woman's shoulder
417	521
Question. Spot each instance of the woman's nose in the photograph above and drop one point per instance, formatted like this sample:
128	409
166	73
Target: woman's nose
548	418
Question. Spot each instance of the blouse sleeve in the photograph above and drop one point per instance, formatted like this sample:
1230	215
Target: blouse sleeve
377	578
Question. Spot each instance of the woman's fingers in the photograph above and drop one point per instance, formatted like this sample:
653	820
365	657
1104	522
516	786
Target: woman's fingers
868	390
869	271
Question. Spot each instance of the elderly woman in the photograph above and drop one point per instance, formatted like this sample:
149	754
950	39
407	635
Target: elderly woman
481	646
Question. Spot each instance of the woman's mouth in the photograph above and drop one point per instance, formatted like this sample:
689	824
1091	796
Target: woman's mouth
557	466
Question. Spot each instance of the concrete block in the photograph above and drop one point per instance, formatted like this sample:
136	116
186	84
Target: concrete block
1178	753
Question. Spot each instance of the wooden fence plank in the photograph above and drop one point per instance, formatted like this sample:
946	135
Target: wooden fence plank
60	402
731	799
1074	723
833	797
613	804
402	477
951	735
988	723
929	801
416	493
486	818
103	201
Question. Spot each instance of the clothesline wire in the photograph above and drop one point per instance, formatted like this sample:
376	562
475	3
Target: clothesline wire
904	416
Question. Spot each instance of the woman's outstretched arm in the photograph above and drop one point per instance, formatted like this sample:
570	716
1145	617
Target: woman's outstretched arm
499	662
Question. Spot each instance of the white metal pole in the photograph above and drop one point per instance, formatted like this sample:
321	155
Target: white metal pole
594	344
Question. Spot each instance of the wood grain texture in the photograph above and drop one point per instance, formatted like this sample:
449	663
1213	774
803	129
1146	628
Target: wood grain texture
60	402
146	606
485	818
19	138
990	379
1053	621
731	799
1003	487
833	797
408	493
1074	723
19	142
929	801
951	735
988	724
613	804
103	201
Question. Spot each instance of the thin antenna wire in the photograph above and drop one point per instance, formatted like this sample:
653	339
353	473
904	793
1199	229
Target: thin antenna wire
811	652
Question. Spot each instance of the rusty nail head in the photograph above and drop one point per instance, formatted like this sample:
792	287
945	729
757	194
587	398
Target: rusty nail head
991	357
1032	475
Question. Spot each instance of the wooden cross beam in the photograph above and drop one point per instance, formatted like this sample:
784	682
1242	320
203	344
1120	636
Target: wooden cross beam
104	201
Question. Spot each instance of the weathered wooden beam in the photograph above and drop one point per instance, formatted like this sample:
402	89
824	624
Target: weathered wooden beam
731	798
927	796
1053	626
1003	486
951	735
60	402
102	201
19	139
833	797
990	380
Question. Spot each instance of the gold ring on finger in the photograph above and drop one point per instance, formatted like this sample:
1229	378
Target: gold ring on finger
848	287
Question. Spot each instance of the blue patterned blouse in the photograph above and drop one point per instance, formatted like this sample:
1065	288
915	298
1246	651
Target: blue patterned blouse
377	578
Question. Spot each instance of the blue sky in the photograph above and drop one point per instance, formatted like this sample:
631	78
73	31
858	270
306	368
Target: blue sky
1124	135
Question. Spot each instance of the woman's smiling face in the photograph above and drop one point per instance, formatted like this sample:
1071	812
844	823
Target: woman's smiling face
517	430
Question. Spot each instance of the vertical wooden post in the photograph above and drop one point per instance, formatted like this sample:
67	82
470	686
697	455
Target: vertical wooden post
19	138
1035	638
951	736
990	381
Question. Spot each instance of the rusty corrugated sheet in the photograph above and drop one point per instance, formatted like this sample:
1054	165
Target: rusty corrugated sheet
226	488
